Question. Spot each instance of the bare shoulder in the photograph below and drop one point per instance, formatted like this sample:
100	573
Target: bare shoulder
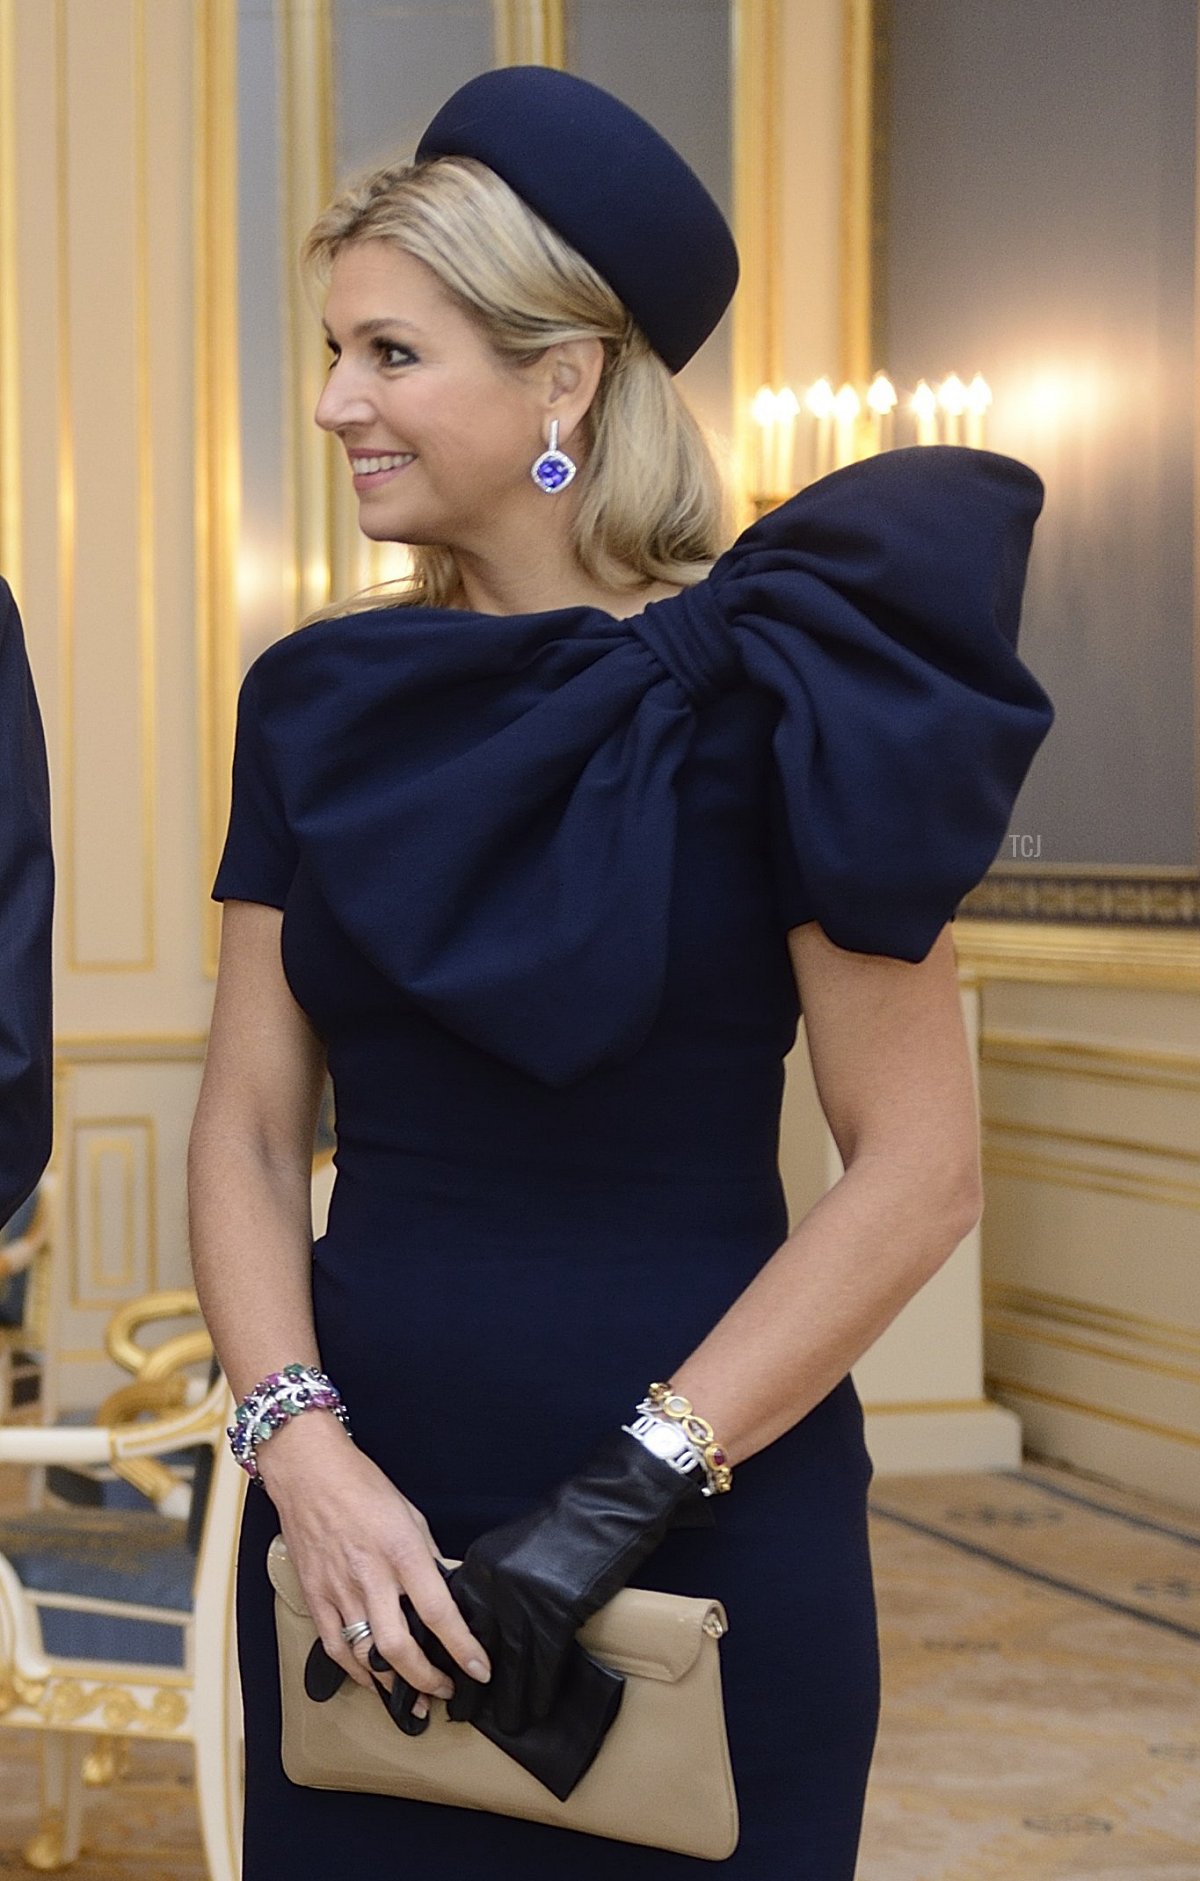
889	1049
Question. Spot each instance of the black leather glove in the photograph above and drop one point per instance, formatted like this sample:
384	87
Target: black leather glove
525	1588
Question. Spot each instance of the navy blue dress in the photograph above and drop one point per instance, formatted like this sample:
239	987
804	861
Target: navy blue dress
537	874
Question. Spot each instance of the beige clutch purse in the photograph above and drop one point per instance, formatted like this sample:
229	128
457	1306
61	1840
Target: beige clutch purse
662	1775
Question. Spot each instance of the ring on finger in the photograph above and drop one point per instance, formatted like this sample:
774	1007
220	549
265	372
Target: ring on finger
358	1629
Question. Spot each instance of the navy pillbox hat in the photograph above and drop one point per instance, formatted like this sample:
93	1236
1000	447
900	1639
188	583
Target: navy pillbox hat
609	184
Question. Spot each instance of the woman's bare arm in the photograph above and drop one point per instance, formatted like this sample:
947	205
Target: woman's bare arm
355	1538
892	1067
250	1158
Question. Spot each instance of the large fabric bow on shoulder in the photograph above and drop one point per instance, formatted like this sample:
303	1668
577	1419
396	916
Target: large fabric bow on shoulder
488	802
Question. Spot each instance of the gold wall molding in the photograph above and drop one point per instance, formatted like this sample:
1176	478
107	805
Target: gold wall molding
1033	1318
1068	1310
1098	1178
1129	1065
10	374
1011	1325
147	651
104	1148
1016	1388
864	187
758	307
65	483
1079	955
530	32
997	1128
133	1139
106	1048
307	146
217	437
105	542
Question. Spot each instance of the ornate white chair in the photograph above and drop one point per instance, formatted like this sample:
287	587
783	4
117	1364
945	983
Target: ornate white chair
25	1252
116	1622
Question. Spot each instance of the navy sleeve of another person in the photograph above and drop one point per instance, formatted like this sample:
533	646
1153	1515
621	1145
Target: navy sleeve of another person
26	907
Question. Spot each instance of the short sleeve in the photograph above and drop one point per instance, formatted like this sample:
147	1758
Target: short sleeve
260	854
881	608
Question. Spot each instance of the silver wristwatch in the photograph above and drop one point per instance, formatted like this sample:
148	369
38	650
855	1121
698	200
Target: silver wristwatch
670	1443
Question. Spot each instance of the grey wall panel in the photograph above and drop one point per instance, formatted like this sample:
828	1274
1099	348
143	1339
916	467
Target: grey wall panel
670	60
1042	230
396	64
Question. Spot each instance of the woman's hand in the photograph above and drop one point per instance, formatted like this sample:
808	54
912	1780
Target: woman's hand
358	1546
526	1588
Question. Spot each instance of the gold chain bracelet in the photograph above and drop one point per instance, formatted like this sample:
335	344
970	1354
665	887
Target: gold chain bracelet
666	1402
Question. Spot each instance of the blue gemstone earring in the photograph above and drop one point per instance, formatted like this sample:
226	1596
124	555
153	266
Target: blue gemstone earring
553	470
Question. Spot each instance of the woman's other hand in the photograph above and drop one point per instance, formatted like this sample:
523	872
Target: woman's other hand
359	1546
526	1588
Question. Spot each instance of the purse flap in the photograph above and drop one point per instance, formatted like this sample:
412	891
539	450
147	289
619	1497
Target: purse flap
640	1632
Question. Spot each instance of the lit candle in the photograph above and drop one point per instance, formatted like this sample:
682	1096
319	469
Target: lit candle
924	405
762	410
846	407
787	410
952	397
881	397
979	398
820	402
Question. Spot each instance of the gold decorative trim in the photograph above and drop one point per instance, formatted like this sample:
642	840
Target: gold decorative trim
106	1763
307	135
1149	1426
1166	959
217	436
67	1702
10	364
1111	1064
16	1689
530	32
1097	1178
758	310
1125	896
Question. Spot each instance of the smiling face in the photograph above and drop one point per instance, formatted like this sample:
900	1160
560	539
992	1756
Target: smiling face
439	431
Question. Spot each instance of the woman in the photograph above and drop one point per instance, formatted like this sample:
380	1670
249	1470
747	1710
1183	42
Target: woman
562	841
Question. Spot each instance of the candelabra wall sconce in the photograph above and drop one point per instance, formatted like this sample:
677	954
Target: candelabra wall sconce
799	437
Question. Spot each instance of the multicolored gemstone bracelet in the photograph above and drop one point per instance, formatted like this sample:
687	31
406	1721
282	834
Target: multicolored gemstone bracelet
273	1403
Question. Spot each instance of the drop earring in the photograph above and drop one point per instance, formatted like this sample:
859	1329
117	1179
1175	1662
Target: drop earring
553	470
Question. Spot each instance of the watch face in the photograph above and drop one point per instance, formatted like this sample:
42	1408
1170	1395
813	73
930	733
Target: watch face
666	1442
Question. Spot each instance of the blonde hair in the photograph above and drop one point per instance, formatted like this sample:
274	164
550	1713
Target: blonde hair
651	503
